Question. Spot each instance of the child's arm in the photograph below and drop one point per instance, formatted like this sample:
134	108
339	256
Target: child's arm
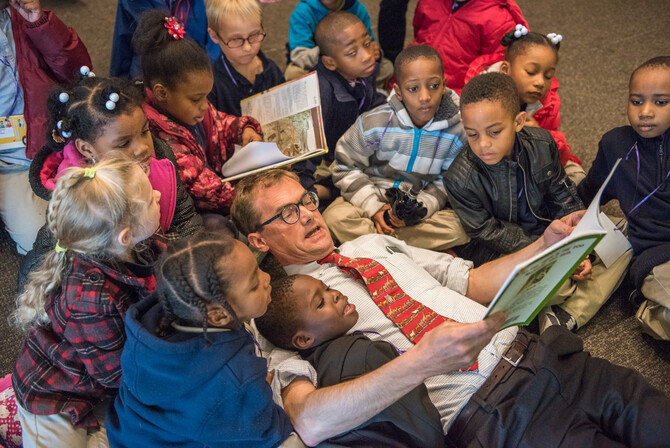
95	329
61	49
562	198
203	184
224	131
600	168
352	156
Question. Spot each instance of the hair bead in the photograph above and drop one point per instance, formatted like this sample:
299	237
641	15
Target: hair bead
520	30
555	38
63	97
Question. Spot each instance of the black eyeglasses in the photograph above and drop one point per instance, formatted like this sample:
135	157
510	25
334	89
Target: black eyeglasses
290	213
239	41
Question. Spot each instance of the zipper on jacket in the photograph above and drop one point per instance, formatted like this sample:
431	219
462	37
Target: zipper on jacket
661	157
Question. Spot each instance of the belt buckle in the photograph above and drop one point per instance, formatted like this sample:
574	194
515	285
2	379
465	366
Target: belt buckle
509	356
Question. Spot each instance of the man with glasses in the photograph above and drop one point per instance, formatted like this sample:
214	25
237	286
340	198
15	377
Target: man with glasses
241	70
525	390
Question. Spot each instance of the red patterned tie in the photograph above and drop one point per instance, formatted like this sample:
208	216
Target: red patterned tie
412	318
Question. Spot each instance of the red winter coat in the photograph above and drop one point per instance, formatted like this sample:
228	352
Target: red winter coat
200	168
460	37
548	116
48	53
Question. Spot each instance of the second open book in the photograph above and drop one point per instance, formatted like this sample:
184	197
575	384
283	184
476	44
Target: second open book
534	282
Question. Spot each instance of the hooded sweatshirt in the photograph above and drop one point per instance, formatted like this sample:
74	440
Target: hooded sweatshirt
182	391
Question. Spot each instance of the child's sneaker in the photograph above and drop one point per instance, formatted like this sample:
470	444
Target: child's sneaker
555	315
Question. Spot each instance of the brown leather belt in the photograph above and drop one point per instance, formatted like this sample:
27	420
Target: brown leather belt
510	359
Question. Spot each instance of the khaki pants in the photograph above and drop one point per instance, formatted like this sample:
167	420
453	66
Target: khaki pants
575	172
54	431
654	313
22	212
584	298
439	232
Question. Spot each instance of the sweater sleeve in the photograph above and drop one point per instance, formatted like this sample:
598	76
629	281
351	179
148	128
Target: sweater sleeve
301	28
204	185
352	157
61	49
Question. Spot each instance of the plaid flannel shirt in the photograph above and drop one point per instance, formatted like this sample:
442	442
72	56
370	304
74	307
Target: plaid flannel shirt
70	364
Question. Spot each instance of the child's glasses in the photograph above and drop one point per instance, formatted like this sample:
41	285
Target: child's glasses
239	41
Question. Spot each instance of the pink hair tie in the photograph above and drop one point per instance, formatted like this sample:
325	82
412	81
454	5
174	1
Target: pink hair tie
175	28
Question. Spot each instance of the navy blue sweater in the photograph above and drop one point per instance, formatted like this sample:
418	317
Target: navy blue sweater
230	87
179	391
649	224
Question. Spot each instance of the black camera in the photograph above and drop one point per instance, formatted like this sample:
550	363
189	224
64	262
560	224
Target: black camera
404	206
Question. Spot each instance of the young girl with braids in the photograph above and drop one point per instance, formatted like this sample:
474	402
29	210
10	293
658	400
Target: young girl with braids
88	125
178	76
530	58
191	373
74	305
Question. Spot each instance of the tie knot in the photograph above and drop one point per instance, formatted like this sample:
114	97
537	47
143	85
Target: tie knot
334	258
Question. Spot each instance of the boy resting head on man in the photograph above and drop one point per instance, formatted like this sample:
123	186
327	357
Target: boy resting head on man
308	316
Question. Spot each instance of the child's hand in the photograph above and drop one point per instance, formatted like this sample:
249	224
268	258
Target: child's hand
249	135
583	272
374	46
395	221
380	224
29	9
322	192
532	122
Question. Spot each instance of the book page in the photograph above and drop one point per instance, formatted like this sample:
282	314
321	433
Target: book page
284	100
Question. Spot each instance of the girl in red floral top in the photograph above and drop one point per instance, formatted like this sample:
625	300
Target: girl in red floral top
178	75
74	305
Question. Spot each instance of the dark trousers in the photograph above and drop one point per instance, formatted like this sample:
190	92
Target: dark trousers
559	396
391	26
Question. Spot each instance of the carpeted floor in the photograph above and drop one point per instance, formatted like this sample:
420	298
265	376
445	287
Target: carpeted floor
604	40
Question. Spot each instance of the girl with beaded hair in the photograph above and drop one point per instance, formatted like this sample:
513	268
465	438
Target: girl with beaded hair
530	58
191	373
95	118
73	306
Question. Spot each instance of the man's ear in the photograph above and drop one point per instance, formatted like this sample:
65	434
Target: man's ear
504	67
328	62
85	149
218	316
396	89
519	121
125	237
302	340
160	92
214	36
256	240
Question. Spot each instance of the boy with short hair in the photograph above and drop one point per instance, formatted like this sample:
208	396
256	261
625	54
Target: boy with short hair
242	70
508	184
347	88
640	186
305	315
393	157
304	51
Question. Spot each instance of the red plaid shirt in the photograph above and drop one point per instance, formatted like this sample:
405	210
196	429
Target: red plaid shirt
70	364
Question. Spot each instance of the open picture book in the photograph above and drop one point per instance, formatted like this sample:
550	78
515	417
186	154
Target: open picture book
534	282
290	115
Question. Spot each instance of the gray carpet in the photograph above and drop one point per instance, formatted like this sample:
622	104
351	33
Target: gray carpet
604	40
